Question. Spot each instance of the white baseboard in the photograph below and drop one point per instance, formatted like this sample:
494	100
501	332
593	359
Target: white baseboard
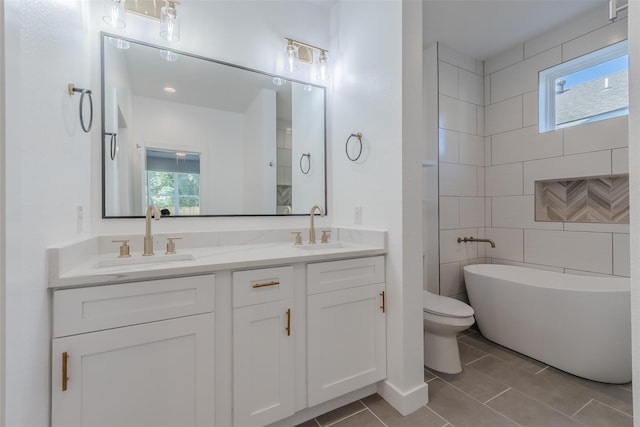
404	402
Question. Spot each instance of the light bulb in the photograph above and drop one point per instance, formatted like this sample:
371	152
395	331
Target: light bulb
322	66
168	55
292	58
114	13
170	22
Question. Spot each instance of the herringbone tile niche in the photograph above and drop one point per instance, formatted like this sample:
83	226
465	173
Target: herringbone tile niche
597	199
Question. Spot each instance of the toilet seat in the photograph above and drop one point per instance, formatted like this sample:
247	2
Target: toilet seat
445	306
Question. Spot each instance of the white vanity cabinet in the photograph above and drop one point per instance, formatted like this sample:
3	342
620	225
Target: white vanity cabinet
263	346
136	354
346	327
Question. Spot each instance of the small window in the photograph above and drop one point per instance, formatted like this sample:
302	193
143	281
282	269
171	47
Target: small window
586	89
173	181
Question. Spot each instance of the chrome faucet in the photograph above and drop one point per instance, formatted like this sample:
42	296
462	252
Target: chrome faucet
473	239
312	230
148	239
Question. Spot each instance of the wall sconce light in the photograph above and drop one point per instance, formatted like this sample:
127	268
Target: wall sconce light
303	52
170	21
114	13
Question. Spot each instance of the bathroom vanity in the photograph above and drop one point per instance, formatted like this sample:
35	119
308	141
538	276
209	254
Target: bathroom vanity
237	334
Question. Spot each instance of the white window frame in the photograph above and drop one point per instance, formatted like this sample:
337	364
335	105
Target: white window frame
547	78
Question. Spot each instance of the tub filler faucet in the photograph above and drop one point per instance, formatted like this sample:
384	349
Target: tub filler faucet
473	239
152	210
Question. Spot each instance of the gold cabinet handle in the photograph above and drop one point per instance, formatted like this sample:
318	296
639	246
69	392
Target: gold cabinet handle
262	285
65	378
288	328
382	306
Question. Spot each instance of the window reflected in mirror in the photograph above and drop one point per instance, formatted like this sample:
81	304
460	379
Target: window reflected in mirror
173	181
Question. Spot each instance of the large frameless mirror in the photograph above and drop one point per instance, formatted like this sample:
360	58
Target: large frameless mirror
198	137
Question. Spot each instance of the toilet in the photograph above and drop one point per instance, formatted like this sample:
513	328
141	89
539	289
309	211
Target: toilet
443	318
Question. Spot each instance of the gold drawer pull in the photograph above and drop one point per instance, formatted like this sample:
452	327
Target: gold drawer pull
262	285
382	306
288	328
65	378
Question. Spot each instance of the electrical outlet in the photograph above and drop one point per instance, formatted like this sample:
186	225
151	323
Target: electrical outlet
357	215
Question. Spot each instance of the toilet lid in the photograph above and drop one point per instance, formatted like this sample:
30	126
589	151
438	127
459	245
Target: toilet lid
445	306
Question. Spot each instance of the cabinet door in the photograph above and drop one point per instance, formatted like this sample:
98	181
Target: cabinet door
346	341
154	374
263	365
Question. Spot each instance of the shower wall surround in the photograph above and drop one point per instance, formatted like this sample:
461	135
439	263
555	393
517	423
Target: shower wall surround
490	192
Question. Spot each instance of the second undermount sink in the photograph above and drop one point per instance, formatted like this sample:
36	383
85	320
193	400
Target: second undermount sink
320	246
139	259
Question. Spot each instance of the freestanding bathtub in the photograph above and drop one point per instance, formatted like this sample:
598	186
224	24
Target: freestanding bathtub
579	324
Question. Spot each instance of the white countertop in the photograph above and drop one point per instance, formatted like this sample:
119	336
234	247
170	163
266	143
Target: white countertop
82	267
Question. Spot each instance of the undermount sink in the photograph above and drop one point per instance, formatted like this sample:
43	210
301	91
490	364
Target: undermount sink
139	259
320	246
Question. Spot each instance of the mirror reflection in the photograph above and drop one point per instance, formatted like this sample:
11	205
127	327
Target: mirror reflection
197	137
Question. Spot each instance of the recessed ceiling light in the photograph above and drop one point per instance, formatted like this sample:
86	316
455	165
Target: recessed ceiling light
169	89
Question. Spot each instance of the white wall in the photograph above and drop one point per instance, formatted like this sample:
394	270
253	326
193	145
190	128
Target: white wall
517	155
2	222
217	135
48	171
369	97
634	191
461	166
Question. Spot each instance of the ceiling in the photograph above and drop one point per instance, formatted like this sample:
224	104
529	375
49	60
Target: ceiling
482	29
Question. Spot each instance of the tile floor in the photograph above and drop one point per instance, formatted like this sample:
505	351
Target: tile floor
498	387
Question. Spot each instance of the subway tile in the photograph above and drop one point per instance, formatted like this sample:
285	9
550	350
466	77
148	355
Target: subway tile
528	412
457	115
448	79
602	135
445	53
528	265
449	212
620	161
503	116
487	90
487	150
458	180
471	149
480	129
525	144
621	256
575	166
569	249
481	183
471	212
451	250
569	30
595	40
449	143
597	415
488	213
518	212
508	242
460	409
504	59
522	77
471	87
530	109
503	180
450	280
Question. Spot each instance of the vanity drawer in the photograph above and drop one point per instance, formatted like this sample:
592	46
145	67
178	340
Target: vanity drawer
264	285
83	310
350	273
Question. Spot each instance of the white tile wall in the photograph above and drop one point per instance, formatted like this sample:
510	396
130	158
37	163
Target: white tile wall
449	142
471	149
508	244
449	213
487	90
578	165
448	79
457	115
458	180
530	108
450	280
523	76
525	144
518	212
481	182
503	180
602	135
596	228
595	40
471	89
480	130
455	58
524	264
471	212
505	59
569	249
451	250
503	116
620	161
621	258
